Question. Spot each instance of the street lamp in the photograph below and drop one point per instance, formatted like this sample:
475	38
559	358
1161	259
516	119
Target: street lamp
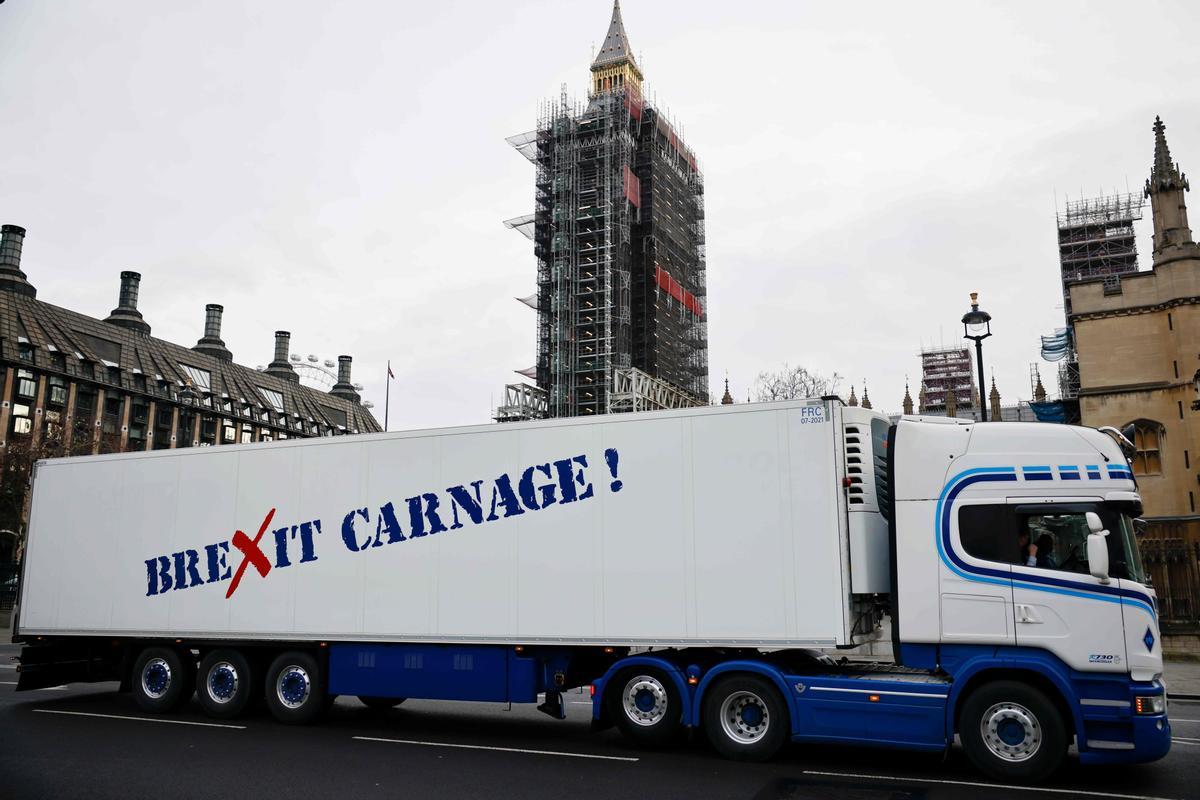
977	326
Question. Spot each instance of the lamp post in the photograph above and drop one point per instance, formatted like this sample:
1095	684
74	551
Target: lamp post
977	326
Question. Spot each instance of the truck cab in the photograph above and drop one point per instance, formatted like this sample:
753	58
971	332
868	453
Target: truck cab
1027	532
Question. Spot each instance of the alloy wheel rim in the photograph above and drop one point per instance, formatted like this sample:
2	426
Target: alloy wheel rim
1011	732
156	678
293	686
222	683
744	717
644	700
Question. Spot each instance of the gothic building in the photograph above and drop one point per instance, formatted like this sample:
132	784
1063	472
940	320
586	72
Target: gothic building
1138	340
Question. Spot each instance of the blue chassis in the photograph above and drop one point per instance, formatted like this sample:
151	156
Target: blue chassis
904	710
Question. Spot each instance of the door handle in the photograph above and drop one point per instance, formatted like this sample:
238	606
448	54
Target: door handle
1028	615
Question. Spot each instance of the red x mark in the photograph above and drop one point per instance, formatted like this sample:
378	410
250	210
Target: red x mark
251	554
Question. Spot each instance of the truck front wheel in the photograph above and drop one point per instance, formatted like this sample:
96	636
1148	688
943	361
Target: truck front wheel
224	683
1013	732
745	718
295	688
646	706
162	679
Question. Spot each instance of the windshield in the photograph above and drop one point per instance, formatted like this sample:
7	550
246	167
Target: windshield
1130	556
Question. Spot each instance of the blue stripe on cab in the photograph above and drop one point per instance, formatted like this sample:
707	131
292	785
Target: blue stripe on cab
1029	580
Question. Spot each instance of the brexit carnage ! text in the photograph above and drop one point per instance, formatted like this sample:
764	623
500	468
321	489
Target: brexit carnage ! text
536	488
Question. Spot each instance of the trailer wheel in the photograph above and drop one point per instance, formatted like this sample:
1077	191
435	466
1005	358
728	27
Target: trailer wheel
380	703
1013	732
295	688
224	683
646	706
745	718
162	679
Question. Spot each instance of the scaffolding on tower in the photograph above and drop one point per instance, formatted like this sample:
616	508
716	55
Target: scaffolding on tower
1096	241
618	234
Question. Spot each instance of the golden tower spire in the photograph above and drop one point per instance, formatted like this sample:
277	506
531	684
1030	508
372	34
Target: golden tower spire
614	67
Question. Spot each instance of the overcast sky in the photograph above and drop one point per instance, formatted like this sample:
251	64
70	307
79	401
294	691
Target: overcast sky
339	170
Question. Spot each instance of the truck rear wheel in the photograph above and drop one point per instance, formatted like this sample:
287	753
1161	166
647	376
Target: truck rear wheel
745	718
224	683
380	703
162	679
295	688
1013	732
646	706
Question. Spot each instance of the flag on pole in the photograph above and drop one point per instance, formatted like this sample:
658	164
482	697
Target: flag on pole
387	394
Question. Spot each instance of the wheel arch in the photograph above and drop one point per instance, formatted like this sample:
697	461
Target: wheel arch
773	674
1055	685
670	668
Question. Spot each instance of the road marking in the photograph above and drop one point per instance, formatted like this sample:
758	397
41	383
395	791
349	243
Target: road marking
1173	719
141	719
1189	742
1078	792
8	666
43	689
580	702
501	749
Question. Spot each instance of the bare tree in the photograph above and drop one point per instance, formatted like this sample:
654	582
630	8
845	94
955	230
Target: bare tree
791	383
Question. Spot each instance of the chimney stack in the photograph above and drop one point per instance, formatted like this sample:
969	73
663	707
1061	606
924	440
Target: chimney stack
126	313
344	388
12	279
212	344
280	367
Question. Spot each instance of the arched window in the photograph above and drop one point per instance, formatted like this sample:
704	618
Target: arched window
1147	439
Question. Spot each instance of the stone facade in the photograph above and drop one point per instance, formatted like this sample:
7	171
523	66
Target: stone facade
1138	340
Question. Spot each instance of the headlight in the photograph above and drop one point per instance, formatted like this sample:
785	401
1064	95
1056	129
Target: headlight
1150	704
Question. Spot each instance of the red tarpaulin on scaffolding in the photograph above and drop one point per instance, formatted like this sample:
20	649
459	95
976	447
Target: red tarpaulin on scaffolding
673	288
633	103
633	187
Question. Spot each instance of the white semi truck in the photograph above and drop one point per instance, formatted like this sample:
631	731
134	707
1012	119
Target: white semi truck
686	565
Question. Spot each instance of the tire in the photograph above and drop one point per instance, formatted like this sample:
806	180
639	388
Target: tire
224	683
1013	732
295	688
745	718
380	703
646	706
162	679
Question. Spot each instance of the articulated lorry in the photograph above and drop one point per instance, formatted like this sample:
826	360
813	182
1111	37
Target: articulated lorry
692	567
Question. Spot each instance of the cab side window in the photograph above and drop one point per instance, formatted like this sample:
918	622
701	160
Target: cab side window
989	532
1040	537
1055	541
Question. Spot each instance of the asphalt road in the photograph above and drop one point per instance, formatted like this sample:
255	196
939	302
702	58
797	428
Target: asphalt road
89	741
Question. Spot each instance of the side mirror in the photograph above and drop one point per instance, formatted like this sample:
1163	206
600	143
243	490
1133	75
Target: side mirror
1097	548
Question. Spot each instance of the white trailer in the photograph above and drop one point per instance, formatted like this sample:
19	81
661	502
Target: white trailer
681	563
730	524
